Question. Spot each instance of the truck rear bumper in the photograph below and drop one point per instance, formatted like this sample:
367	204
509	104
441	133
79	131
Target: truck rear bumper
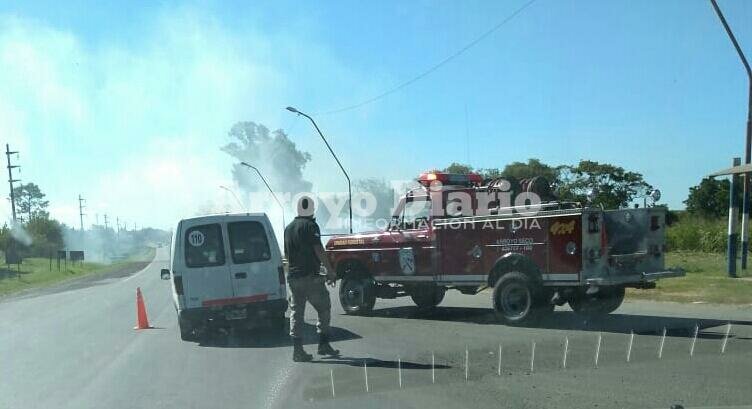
636	279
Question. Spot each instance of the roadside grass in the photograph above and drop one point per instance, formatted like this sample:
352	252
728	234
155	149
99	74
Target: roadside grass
706	281
40	272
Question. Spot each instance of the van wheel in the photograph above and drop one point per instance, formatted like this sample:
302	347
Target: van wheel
187	331
604	302
426	298
517	301
357	295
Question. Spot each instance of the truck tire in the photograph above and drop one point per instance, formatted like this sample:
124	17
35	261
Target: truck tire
604	302
357	295
426	298
187	331
518	301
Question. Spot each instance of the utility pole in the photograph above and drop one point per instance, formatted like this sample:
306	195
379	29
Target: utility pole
733	213
117	223
81	206
8	152
105	222
748	144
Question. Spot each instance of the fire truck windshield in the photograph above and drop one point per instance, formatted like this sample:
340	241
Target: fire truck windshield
412	213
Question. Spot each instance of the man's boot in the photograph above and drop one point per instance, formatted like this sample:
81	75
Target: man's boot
325	348
298	353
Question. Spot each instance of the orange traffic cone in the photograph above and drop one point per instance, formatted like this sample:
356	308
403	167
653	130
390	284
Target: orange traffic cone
143	321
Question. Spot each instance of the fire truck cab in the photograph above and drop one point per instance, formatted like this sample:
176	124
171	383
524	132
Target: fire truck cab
456	232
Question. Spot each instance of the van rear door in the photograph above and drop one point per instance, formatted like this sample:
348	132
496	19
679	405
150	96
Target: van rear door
206	277
254	261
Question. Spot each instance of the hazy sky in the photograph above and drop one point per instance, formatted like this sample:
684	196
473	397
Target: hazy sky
128	103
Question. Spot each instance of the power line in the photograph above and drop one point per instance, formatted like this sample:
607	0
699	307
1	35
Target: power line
435	67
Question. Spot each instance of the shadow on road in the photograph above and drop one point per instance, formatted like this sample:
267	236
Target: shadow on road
269	338
375	363
568	320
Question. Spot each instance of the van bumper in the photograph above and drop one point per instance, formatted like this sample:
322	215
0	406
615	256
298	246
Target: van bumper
261	310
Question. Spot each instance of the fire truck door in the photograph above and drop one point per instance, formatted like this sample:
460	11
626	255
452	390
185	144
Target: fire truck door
414	240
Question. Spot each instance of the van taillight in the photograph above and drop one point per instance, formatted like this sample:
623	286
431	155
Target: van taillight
178	280
281	272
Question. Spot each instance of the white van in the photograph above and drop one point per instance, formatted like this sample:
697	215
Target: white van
226	270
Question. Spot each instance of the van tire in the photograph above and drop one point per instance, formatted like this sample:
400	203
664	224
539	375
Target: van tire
519	301
605	301
187	331
357	295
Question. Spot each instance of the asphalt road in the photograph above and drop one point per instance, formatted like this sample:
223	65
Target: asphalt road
76	348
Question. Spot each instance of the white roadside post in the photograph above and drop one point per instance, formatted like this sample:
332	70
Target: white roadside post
629	347
663	341
694	341
498	370
726	337
597	350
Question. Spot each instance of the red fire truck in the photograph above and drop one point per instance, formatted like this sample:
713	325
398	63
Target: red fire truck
456	232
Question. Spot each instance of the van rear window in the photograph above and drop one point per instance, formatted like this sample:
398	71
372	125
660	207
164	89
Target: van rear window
204	246
248	242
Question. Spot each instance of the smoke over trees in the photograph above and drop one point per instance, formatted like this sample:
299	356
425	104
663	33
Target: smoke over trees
272	152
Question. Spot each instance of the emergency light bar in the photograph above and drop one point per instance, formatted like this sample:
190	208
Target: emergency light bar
469	179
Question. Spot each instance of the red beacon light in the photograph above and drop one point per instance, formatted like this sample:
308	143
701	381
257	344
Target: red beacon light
468	179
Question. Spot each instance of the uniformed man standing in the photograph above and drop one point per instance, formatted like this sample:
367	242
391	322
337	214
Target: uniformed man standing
304	257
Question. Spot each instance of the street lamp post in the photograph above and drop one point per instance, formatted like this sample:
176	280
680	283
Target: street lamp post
748	144
270	191
349	186
233	195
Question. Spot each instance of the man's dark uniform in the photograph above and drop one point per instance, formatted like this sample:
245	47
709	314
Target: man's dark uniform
303	278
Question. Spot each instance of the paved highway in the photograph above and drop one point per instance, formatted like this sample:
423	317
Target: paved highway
75	348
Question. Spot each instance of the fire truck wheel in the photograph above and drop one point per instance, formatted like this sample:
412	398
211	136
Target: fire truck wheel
517	301
605	301
357	295
426	298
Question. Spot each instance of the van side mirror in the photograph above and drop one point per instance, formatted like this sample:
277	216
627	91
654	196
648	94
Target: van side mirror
165	274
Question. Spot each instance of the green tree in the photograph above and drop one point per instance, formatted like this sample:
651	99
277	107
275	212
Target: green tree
710	199
30	201
46	236
533	167
614	186
460	168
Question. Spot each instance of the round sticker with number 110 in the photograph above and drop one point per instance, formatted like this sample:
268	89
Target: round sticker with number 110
196	238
